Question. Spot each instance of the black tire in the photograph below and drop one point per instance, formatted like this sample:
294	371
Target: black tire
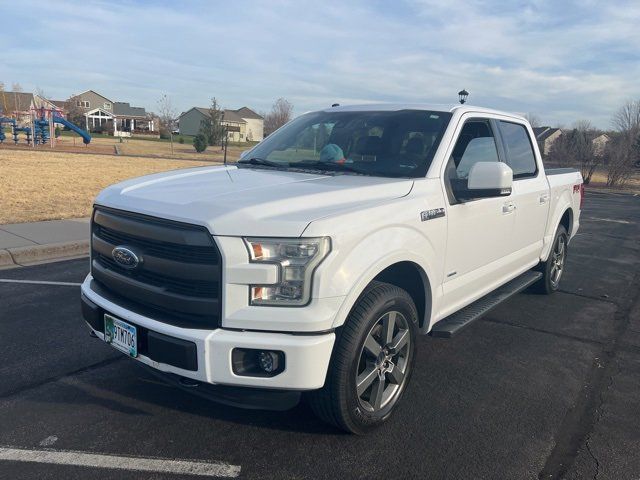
381	306
550	280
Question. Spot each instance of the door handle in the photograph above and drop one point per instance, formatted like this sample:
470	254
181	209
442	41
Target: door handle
544	198
508	208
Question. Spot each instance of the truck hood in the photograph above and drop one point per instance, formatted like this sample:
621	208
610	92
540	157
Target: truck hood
249	201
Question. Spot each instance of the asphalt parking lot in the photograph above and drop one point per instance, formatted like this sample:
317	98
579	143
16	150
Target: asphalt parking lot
543	387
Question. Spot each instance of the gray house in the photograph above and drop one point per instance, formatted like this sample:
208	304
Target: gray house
242	125
120	116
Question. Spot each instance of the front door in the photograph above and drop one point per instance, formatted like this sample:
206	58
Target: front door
479	232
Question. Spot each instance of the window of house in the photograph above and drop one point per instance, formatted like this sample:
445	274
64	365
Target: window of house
107	106
86	104
78	103
518	149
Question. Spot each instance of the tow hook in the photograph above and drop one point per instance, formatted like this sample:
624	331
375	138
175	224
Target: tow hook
188	382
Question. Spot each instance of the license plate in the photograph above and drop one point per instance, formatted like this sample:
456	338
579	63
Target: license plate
121	335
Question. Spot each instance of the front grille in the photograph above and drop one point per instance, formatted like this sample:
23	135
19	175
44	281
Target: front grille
179	274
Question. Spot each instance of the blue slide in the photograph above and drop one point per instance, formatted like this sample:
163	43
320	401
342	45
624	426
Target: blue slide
86	138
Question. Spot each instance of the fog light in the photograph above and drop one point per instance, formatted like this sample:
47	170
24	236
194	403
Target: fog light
251	362
268	361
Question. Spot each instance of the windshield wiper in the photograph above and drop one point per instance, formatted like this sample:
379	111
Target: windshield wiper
263	162
338	167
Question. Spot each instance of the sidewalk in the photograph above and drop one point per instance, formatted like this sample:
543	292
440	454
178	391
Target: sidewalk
36	242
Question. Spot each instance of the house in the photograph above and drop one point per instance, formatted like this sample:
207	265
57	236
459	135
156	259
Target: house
599	144
101	112
243	125
19	105
255	124
545	136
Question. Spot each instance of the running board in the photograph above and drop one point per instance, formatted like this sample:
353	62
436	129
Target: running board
449	326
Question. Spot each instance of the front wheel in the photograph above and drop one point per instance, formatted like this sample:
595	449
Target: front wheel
553	268
372	361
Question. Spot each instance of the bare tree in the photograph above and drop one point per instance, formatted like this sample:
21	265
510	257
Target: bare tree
533	119
40	92
218	130
627	117
4	106
620	157
167	115
281	112
75	114
620	151
16	88
575	148
584	149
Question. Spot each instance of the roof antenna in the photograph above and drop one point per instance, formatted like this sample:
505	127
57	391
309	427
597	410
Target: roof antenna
462	96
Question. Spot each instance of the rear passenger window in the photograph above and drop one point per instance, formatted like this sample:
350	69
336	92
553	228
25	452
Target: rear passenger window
518	149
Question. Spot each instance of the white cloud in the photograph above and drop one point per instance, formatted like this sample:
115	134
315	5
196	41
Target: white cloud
561	60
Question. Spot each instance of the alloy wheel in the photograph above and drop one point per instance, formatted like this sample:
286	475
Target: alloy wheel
383	363
557	260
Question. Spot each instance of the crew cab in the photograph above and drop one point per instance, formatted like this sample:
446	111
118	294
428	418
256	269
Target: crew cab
313	264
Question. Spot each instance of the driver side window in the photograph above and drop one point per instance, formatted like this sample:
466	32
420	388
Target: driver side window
476	143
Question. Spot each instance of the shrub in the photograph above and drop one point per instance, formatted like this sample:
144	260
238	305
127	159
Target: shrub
164	133
180	140
200	143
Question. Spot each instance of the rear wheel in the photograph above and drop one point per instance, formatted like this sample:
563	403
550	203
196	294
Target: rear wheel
372	361
553	268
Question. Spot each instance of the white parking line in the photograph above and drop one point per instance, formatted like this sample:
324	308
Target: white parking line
116	462
612	220
39	282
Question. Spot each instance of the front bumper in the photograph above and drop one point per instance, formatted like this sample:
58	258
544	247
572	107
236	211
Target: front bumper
205	355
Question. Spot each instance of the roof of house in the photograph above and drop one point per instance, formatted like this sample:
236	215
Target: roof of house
539	130
92	91
17	101
126	110
229	115
546	133
246	112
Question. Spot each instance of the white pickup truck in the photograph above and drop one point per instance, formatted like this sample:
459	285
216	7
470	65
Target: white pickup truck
313	263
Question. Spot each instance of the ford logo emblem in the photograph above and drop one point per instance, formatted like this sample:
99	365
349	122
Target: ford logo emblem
125	257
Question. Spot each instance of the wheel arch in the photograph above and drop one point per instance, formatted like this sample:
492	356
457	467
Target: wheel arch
563	215
405	274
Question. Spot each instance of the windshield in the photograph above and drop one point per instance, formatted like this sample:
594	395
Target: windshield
382	143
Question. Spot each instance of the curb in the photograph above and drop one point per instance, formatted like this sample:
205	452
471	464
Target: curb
43	253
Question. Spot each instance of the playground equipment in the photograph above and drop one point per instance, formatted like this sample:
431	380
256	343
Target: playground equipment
42	127
4	120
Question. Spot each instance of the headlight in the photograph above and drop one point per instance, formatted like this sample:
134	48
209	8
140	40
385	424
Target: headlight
297	258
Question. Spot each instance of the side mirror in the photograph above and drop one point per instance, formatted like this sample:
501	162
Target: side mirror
486	179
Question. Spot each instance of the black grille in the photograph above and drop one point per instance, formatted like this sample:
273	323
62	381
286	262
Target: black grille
179	275
186	253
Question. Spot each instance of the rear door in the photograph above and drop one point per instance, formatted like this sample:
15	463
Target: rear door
530	190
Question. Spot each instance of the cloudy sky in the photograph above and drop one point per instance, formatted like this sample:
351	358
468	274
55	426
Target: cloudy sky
561	60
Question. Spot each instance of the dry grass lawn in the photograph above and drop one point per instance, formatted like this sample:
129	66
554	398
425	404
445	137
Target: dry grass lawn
48	185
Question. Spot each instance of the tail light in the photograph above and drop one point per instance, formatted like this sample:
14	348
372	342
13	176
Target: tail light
581	195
